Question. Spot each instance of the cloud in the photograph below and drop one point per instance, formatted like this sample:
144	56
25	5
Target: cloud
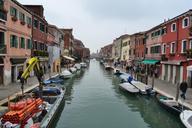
98	22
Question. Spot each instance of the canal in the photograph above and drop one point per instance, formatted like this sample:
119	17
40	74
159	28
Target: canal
93	100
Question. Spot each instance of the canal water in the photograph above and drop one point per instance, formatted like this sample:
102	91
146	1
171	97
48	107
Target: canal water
93	100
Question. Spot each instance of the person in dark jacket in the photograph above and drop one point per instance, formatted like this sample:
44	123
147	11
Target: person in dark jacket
183	88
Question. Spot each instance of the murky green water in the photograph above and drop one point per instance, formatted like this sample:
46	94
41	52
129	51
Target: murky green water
94	100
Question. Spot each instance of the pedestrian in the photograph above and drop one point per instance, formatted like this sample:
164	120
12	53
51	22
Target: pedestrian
183	88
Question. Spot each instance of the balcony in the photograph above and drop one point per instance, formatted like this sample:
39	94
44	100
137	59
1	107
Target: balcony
40	53
3	49
189	53
164	58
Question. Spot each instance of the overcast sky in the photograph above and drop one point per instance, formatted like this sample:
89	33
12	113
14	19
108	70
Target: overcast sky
98	22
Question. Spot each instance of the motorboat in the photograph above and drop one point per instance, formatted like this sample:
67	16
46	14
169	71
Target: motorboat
83	65
129	87
34	112
117	71
72	69
107	66
124	77
144	89
55	80
169	104
186	118
66	74
77	66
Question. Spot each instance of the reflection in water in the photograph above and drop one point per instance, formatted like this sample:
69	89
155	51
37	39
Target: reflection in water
94	100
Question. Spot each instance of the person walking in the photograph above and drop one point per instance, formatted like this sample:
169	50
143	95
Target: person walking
183	88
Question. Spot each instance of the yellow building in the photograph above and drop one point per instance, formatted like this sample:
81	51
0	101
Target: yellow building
125	48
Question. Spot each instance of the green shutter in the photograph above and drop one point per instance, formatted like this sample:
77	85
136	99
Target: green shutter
16	42
11	41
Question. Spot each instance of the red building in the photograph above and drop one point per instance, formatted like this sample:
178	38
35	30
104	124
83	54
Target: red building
139	46
39	34
176	53
106	51
68	41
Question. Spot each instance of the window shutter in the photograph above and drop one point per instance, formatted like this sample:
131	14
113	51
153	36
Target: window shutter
16	42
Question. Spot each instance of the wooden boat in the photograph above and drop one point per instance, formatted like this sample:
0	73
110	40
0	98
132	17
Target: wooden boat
186	118
129	87
169	104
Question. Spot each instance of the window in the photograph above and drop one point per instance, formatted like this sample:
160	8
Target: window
172	50
22	42
29	21
184	46
13	12
146	50
36	23
190	44
42	27
2	38
124	44
29	44
185	22
22	17
13	41
173	27
164	49
155	49
163	31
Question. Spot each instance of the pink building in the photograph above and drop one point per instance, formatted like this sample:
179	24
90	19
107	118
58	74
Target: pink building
17	33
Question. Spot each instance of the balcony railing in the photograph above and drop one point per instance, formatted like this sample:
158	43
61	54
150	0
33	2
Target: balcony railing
40	53
3	49
189	53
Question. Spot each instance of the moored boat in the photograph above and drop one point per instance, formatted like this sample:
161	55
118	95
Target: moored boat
34	112
83	65
77	66
186	118
129	87
169	104
66	74
72	70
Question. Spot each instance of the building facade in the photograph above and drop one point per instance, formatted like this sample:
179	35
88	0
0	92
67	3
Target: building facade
17	40
55	49
39	34
125	49
176	53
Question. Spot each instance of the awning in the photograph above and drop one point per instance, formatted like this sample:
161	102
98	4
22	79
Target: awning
150	61
18	60
69	58
172	62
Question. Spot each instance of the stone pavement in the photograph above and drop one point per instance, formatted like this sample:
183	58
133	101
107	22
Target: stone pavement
15	88
168	89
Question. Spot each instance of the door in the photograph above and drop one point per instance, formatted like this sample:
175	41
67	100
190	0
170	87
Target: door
1	75
12	73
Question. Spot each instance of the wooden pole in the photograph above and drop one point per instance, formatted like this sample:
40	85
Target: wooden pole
177	92
153	79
